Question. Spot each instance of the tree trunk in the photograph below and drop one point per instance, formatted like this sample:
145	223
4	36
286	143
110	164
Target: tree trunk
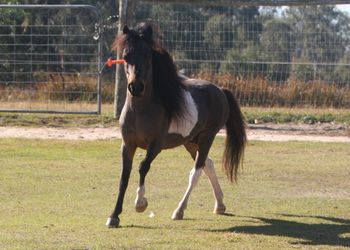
126	12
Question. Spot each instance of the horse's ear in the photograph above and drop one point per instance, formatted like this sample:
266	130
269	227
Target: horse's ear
126	30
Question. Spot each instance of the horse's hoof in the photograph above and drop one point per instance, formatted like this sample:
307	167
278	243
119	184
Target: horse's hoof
220	209
112	222
178	215
141	205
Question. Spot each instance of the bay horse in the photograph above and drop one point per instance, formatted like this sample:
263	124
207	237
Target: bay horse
164	110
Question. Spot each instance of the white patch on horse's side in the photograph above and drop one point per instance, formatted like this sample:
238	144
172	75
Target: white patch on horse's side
186	123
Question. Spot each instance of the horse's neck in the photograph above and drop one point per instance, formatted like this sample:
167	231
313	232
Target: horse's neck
139	115
139	103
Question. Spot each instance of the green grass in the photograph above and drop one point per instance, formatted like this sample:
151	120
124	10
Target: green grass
296	115
58	195
252	115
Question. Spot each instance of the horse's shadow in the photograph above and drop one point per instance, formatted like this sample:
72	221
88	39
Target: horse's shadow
334	233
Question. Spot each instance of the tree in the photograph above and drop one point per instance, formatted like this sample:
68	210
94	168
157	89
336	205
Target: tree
219	33
244	64
13	22
230	35
277	43
317	30
219	36
249	26
341	71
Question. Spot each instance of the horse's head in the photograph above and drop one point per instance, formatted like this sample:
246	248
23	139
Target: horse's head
150	69
137	52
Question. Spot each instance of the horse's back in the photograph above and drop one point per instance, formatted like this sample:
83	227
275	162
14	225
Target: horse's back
211	102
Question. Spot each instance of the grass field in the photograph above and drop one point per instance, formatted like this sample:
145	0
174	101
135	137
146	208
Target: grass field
58	195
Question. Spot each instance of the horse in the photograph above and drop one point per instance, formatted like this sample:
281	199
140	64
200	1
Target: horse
164	110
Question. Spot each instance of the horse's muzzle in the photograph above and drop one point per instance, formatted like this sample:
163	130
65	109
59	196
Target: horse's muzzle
136	89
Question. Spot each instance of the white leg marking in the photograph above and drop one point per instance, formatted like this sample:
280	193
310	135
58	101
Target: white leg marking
193	180
140	192
210	172
140	201
185	125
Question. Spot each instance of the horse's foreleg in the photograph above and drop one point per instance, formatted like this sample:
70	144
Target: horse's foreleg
141	202
210	172
127	155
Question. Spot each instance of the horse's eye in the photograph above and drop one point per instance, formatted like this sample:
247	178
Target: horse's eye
126	57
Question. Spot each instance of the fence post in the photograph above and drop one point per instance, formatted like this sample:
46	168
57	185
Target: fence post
126	11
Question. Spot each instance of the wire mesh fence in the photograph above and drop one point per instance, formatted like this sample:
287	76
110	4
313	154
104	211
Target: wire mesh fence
50	58
268	56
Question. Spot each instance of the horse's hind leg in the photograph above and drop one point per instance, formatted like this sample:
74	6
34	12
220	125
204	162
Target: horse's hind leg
210	172
200	156
178	214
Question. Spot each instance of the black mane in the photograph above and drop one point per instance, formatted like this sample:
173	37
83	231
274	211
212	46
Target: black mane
168	87
167	84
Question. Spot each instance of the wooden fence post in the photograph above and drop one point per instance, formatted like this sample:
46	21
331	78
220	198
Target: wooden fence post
126	12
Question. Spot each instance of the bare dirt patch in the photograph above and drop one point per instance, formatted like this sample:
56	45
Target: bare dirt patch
263	132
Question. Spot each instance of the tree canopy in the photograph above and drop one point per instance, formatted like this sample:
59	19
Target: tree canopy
303	42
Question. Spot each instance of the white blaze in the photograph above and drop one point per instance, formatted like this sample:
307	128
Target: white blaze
130	72
186	123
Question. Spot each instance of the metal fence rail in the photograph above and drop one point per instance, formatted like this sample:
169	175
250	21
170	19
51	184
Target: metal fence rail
50	58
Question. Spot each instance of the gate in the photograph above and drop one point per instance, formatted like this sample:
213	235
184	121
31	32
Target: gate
50	59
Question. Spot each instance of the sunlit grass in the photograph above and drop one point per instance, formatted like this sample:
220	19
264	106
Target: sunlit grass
58	195
296	115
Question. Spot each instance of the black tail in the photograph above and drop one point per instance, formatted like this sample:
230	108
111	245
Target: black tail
236	138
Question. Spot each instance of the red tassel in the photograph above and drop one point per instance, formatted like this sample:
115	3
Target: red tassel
110	62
